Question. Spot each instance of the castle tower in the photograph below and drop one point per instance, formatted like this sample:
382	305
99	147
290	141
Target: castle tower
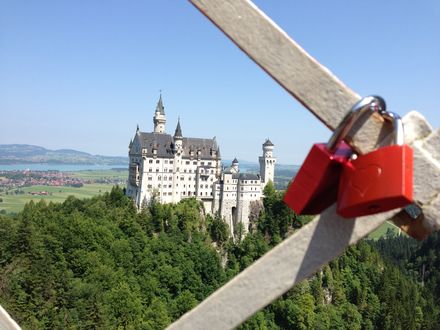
267	163
159	119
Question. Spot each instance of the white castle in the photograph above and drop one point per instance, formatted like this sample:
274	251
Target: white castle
170	168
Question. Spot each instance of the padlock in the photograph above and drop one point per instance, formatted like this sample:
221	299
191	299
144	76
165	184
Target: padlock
380	180
315	186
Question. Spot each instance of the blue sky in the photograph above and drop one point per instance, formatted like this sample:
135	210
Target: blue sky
82	74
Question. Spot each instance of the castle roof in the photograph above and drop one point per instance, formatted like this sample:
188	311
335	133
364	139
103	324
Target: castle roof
268	143
178	132
235	161
205	146
160	108
246	176
164	144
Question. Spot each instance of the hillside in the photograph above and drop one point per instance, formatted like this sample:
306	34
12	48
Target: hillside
29	154
97	263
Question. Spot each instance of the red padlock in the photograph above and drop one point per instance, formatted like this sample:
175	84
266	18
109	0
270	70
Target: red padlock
315	186
379	181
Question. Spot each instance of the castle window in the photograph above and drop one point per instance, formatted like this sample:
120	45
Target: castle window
150	170
166	161
157	170
157	161
150	178
165	178
171	161
170	170
171	178
159	177
159	185
150	161
169	186
209	163
183	193
149	186
184	171
187	162
169	194
241	195
211	193
203	163
194	163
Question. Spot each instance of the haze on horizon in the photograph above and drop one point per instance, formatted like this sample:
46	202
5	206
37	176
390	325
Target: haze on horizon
82	75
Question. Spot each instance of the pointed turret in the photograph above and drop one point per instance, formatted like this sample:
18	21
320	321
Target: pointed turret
160	108
178	132
159	119
178	138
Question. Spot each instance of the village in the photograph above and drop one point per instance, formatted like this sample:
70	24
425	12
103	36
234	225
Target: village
10	180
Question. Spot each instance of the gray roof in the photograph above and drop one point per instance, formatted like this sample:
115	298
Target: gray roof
235	161
165	143
205	146
249	176
268	143
160	106
246	176
178	132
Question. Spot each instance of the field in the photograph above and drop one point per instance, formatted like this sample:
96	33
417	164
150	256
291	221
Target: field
106	179
15	203
119	174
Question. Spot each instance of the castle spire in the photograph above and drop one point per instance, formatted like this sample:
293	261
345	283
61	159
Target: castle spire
160	108
178	132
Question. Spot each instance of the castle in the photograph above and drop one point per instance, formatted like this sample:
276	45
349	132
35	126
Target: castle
170	168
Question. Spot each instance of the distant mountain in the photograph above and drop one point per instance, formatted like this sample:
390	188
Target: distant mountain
30	154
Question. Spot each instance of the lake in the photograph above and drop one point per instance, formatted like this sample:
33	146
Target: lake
59	167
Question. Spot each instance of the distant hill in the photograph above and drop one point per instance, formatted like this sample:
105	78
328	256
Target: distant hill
30	154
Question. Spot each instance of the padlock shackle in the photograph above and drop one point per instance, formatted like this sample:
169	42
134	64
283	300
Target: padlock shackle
394	118
369	103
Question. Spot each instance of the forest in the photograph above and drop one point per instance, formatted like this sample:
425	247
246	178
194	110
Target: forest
97	263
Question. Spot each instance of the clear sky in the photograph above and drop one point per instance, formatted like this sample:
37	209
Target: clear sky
82	74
